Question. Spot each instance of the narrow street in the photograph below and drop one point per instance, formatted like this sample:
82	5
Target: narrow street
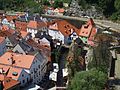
61	63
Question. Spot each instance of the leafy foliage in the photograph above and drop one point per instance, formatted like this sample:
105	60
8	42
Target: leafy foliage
58	3
20	5
88	80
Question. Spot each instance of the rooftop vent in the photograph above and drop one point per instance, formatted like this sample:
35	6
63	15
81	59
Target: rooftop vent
14	73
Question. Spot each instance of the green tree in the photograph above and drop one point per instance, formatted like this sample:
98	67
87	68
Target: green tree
46	2
117	4
101	54
20	5
58	4
88	80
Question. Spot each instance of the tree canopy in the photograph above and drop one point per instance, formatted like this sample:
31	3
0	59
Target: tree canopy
20	5
88	80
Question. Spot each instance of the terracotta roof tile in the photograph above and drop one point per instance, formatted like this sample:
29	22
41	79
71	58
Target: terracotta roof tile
93	33
53	27
11	17
45	49
66	28
16	71
5	27
19	60
87	28
5	68
24	33
61	10
2	77
63	26
36	25
6	33
2	39
9	83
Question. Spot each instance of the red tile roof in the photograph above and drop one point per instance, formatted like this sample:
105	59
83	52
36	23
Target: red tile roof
53	27
61	10
5	27
2	39
23	34
21	25
6	33
45	49
36	25
93	33
9	83
87	28
2	77
64	27
11	17
14	70
19	60
4	68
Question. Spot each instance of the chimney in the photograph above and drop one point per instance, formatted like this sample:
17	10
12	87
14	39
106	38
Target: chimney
34	18
11	60
1	70
39	41
26	18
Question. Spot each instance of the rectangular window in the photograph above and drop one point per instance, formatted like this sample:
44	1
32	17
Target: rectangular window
23	81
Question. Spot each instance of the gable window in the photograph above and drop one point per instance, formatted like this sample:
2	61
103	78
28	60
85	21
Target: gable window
23	81
22	75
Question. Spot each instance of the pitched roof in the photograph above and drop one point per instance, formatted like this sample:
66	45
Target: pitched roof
63	26
36	25
4	67
66	28
13	39
9	83
5	33
86	28
2	77
13	70
23	33
45	49
19	60
54	26
25	46
2	39
61	10
5	27
11	17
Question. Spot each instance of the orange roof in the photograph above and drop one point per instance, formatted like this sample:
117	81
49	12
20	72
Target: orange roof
53	27
93	33
11	17
7	33
61	10
36	25
5	27
14	70
2	39
87	28
63	26
2	77
9	83
90	22
66	28
45	49
5	68
19	59
23	33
